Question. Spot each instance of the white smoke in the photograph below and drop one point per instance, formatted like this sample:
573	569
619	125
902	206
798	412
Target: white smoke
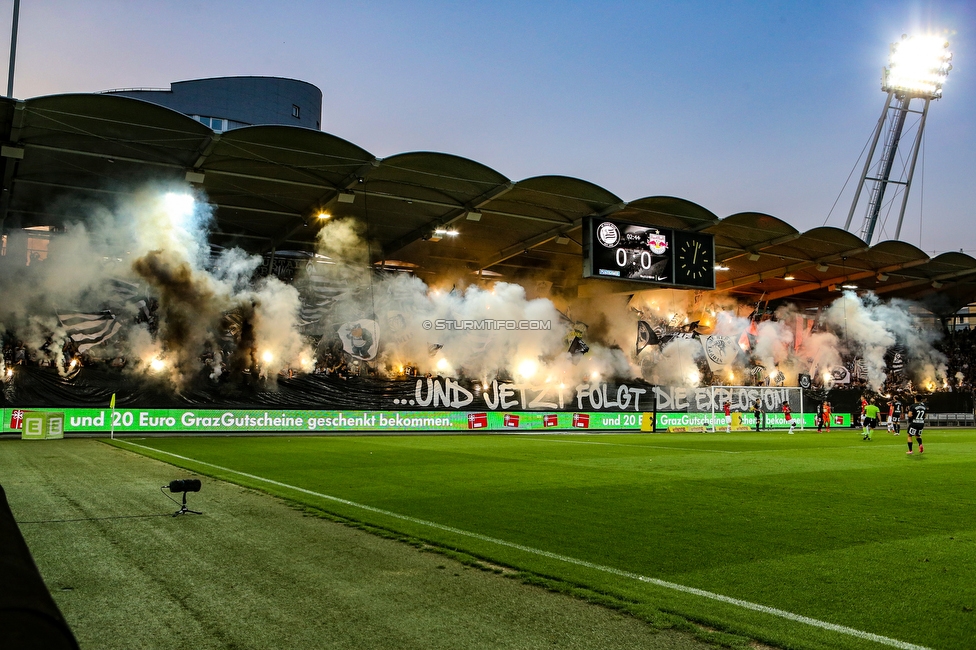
156	238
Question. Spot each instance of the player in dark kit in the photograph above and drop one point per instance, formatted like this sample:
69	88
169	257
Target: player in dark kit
820	416
894	416
916	422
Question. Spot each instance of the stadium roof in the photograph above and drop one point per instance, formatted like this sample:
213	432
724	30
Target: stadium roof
267	183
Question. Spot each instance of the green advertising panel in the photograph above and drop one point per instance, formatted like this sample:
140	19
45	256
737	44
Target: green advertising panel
81	420
50	423
717	420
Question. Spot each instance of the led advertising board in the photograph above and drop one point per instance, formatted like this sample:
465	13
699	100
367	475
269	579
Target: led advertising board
663	256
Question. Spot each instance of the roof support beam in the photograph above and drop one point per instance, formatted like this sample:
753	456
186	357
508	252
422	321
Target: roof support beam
205	150
462	208
850	277
105	156
526	245
898	286
455	214
805	264
769	243
324	202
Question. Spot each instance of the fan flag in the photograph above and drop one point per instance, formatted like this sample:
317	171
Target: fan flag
578	348
360	338
89	330
645	335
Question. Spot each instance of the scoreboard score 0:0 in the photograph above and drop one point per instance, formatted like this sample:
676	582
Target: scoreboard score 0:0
641	253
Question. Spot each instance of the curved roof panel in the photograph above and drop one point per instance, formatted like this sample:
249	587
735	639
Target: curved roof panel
556	199
438	178
116	126
667	212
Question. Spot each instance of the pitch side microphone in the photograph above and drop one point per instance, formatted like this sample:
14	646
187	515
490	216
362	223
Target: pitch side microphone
185	485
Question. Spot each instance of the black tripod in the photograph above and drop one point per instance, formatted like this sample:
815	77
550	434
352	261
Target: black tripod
184	486
184	510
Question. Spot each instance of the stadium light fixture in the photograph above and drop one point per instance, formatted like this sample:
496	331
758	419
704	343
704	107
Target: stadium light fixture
179	207
323	216
346	197
721	267
849	285
789	276
918	67
823	268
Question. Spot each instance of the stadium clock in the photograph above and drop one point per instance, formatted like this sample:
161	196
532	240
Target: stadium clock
694	260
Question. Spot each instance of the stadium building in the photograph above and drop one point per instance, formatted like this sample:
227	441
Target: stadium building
225	103
246	147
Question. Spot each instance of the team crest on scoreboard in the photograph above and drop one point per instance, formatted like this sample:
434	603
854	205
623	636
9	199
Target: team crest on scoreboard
657	242
608	234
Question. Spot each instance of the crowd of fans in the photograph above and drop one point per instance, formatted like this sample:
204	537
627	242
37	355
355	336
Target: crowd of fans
959	346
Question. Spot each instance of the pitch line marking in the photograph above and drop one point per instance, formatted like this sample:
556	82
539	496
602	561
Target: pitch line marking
824	625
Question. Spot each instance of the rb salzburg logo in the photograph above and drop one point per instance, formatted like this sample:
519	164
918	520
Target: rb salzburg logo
657	242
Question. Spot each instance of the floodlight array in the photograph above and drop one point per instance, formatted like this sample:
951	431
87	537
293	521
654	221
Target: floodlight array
917	67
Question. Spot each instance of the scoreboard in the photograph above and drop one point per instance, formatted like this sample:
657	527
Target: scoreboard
662	256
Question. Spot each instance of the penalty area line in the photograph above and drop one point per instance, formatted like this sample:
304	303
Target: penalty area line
824	625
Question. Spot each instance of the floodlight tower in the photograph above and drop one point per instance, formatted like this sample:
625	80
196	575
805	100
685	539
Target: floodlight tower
917	68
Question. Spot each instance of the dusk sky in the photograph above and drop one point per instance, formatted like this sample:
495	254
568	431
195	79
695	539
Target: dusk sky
737	106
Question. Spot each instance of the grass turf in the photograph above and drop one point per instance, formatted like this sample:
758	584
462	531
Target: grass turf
824	526
254	573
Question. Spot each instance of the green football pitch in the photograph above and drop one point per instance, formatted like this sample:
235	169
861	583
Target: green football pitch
803	541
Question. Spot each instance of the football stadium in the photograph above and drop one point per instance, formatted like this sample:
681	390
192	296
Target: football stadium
262	388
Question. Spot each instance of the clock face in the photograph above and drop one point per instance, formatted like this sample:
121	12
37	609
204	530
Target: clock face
694	261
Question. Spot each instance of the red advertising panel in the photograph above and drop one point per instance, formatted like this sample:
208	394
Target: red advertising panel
551	420
581	420
17	419
511	420
477	420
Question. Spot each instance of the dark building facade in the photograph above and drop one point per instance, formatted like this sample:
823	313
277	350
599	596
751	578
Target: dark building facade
225	103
